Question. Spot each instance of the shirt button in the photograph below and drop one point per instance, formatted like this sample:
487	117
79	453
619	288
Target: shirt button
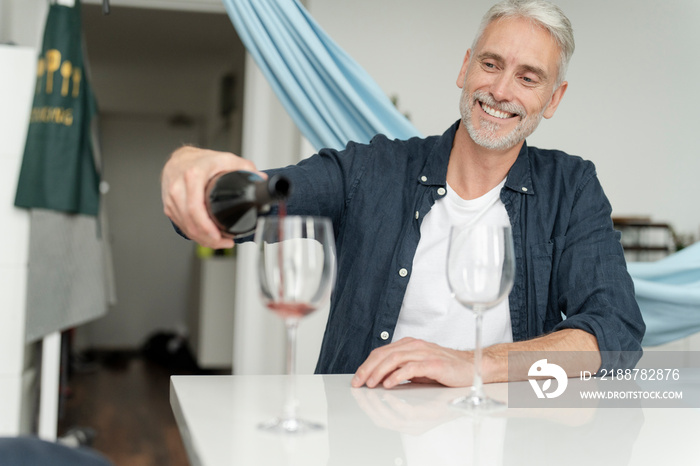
424	179
384	335
403	272
441	191
524	189
417	215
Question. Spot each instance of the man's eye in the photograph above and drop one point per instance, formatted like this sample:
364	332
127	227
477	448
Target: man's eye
489	65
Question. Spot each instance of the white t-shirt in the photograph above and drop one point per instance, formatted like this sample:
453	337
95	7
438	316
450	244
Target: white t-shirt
429	312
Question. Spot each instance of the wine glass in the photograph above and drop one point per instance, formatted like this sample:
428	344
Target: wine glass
296	270
480	269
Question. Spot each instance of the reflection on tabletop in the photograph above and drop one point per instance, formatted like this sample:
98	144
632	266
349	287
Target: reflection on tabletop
433	432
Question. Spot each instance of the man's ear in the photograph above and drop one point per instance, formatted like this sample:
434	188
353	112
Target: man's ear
555	100
463	71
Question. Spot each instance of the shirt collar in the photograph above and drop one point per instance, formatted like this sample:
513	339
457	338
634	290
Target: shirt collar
519	178
434	172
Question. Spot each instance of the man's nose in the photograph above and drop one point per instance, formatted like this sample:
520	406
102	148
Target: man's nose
502	88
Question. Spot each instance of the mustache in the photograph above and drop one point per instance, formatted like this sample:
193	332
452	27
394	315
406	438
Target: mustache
508	107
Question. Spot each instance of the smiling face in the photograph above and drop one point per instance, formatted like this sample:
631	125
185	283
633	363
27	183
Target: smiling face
508	83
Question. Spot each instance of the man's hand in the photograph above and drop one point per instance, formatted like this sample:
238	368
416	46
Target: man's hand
420	361
183	182
415	360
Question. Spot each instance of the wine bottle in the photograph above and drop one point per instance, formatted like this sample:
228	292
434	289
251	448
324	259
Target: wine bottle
236	199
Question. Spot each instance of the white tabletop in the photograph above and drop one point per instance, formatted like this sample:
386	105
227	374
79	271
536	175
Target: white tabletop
413	424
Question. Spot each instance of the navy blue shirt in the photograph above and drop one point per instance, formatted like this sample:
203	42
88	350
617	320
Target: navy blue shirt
570	266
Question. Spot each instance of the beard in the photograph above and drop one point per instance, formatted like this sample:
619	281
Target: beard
487	134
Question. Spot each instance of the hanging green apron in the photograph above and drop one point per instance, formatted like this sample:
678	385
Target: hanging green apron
58	169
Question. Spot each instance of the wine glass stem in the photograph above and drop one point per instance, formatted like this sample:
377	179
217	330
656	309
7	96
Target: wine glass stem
477	385
291	403
291	362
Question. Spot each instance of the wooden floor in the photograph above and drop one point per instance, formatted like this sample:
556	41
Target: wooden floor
125	399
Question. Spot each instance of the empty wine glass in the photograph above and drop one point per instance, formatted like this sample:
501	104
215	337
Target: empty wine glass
480	269
296	270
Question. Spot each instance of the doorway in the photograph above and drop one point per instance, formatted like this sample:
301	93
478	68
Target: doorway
162	78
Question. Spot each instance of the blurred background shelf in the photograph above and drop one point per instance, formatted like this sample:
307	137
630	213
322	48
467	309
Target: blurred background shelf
644	239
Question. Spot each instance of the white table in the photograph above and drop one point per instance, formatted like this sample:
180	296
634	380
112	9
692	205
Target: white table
413	425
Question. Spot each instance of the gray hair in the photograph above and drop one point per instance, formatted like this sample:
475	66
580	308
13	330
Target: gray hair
543	13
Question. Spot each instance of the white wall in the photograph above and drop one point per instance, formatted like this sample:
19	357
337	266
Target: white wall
22	21
15	94
632	101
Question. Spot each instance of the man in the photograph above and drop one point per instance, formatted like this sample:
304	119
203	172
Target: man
392	202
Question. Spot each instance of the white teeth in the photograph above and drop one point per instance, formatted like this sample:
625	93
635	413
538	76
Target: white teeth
495	113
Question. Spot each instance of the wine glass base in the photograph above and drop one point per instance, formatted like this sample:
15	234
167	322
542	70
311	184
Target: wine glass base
290	426
478	404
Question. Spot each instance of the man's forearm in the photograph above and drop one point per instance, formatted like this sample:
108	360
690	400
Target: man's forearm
581	349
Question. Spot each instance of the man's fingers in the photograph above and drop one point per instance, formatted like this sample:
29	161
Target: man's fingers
184	180
383	361
412	359
414	366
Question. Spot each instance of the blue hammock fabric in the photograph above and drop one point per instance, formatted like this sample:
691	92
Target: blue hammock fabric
331	99
668	293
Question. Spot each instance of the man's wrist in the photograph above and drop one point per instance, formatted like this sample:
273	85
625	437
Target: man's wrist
494	364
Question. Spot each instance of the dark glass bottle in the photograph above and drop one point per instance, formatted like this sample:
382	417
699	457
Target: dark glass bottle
236	199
